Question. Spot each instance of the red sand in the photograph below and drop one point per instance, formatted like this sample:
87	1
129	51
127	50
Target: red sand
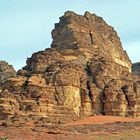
26	133
103	119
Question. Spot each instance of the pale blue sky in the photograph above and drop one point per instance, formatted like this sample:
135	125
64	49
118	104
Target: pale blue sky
25	25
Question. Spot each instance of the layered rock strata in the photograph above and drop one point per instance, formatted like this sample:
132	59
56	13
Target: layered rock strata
6	71
85	72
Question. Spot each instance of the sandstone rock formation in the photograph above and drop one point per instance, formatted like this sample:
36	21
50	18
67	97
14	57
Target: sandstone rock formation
6	71
85	72
136	85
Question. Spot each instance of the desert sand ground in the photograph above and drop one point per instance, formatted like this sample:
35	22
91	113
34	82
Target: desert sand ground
90	128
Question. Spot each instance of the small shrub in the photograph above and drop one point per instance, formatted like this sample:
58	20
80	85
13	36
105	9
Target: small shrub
4	138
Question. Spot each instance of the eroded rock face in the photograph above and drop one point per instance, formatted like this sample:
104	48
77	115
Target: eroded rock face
136	80
6	71
85	72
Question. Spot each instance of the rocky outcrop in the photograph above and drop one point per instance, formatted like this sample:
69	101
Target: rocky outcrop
6	71
85	72
136	80
136	68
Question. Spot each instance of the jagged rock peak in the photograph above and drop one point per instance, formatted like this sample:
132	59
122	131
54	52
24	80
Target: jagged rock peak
6	71
88	34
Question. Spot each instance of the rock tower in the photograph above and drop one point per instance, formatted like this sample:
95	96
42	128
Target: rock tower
85	72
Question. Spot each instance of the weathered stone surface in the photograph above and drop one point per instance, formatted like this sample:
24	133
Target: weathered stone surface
85	72
136	79
6	71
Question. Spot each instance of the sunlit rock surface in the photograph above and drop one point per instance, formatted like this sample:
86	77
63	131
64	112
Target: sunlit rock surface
85	72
